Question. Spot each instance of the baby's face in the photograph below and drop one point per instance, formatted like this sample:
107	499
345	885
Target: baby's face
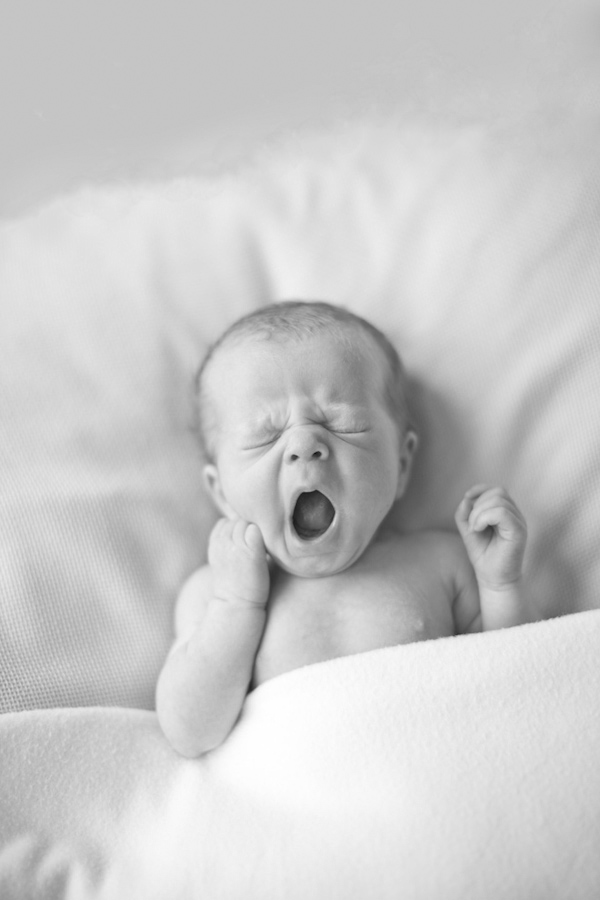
306	447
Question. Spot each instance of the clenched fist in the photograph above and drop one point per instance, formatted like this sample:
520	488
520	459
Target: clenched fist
238	561
494	533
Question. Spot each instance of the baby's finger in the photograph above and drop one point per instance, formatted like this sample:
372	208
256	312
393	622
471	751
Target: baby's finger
254	538
494	494
238	533
499	516
493	498
465	507
461	516
477	490
472	497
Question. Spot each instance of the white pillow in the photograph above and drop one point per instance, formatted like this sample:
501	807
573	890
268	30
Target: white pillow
475	249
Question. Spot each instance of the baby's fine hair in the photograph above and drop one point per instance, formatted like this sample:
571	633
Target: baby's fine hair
296	320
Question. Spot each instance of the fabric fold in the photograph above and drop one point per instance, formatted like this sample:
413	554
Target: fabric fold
458	767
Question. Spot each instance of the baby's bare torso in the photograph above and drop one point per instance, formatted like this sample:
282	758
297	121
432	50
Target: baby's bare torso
398	592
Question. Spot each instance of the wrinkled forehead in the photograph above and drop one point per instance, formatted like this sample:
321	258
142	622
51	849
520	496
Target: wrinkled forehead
346	359
246	373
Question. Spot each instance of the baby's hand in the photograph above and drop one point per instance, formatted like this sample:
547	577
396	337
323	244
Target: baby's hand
494	533
238	561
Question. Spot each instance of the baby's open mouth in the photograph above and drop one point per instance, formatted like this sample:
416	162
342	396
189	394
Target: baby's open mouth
313	514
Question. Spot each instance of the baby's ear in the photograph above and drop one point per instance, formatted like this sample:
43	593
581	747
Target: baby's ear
408	448
212	482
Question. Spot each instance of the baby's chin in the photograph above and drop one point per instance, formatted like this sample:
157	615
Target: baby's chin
314	566
306	570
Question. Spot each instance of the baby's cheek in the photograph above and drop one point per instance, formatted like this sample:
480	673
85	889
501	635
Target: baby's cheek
256	507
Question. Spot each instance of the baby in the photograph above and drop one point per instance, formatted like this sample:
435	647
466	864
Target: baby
308	441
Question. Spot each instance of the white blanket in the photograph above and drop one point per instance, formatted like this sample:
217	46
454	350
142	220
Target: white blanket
460	768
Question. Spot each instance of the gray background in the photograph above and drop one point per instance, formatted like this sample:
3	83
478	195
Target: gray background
102	90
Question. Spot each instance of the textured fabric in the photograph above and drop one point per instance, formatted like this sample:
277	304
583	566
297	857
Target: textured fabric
464	767
475	249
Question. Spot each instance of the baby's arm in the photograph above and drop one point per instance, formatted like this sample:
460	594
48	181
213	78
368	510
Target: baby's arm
494	533
222	611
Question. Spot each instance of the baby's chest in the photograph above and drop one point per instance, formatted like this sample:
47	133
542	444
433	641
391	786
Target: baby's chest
363	609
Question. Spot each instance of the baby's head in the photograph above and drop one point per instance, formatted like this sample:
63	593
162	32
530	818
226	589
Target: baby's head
304	422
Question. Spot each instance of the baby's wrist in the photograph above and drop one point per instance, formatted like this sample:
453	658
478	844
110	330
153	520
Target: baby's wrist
502	604
235	600
500	587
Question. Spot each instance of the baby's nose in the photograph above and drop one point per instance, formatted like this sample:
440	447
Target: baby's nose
305	444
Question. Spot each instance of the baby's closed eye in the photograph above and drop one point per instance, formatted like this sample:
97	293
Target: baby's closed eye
348	429
258	441
341	420
345	420
347	426
260	434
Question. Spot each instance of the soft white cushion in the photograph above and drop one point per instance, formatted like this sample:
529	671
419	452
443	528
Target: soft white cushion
475	249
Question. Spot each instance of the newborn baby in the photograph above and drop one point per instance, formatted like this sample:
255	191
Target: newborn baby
308	442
